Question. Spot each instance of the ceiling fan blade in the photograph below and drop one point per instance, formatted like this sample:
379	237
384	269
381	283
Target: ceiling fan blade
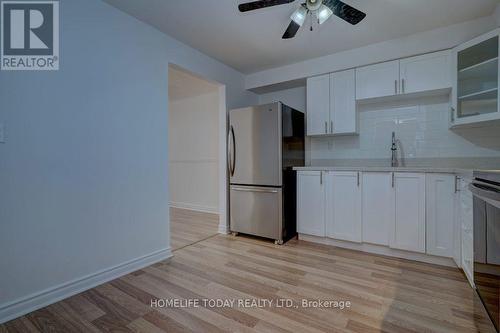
245	7
291	30
344	11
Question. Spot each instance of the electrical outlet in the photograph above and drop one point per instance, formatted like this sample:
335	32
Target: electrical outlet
2	133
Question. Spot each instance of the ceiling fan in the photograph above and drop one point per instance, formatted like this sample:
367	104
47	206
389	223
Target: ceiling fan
320	9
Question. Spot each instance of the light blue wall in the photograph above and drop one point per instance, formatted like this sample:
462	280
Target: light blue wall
83	174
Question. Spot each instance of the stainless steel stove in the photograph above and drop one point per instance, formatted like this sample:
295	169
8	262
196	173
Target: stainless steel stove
486	190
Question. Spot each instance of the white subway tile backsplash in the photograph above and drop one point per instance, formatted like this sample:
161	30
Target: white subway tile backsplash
421	128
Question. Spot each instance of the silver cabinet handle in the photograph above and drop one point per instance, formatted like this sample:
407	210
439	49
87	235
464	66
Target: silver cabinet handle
452	114
331	126
253	189
395	87
358	178
403	85
326	127
321	177
393	180
456	183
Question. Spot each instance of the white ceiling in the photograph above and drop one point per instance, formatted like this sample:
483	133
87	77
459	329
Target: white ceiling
182	85
251	42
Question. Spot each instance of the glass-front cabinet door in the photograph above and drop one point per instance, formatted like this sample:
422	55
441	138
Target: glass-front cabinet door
476	76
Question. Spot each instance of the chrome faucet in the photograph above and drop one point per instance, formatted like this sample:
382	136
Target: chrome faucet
394	148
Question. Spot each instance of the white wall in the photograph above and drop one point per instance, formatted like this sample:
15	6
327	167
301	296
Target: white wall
295	97
422	127
194	152
84	172
429	41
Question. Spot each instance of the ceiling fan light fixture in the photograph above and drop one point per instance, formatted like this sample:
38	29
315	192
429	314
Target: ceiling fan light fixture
299	16
324	14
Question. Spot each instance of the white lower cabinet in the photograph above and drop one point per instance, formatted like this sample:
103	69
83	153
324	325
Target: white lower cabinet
343	205
378	207
311	203
382	208
468	255
408	232
440	214
466	215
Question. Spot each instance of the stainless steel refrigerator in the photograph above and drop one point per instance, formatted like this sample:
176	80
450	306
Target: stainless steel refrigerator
264	143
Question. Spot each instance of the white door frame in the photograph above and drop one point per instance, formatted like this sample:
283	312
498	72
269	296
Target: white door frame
223	174
222	138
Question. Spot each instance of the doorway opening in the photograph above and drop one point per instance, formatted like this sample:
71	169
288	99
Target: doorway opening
197	172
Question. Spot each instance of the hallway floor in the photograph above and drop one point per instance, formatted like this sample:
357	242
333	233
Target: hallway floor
188	227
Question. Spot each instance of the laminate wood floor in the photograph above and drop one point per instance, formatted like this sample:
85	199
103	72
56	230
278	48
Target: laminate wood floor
386	294
188	227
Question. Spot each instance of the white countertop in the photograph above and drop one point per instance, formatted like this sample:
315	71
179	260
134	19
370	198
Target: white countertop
385	169
463	167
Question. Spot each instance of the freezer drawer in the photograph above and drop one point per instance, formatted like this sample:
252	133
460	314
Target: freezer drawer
256	211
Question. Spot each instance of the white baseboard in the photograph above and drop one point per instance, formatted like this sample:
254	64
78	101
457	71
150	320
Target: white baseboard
223	229
195	207
382	250
49	296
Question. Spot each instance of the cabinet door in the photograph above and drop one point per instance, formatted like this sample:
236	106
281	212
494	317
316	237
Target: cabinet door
378	80
457	227
468	256
318	105
378	207
476	77
310	203
440	198
343	205
343	102
470	252
426	72
454	86
408	232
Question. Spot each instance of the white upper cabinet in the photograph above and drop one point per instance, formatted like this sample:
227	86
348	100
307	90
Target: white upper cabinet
331	104
378	207
408	232
343	205
426	72
318	105
311	203
440	213
379	80
343	102
475	77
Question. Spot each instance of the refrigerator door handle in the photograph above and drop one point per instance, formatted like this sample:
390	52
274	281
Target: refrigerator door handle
229	155
231	151
253	189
